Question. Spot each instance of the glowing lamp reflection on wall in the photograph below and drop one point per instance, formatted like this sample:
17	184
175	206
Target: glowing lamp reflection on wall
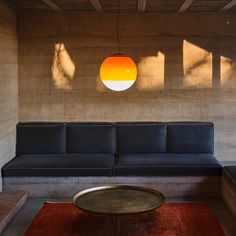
118	72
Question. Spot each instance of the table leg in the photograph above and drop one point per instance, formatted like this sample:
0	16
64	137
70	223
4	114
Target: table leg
117	226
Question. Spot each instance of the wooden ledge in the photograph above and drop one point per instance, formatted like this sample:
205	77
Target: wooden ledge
10	204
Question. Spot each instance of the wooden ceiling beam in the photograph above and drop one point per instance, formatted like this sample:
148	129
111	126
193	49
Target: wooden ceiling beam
52	5
142	5
185	5
228	5
97	5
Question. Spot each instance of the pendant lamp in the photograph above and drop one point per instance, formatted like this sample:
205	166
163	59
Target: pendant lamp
118	72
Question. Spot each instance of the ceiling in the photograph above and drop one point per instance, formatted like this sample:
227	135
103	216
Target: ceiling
124	5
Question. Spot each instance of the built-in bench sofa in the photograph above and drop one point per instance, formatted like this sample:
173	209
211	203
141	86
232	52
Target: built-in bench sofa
59	159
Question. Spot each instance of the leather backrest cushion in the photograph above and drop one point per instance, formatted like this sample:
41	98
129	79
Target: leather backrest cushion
141	137
190	137
40	138
90	138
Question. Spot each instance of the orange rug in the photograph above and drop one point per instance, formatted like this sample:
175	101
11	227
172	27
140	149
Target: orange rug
171	219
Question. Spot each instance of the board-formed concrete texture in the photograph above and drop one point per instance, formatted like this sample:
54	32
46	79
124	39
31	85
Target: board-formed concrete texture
186	69
63	187
8	84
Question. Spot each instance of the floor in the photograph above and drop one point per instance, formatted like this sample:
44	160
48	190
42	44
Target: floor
23	219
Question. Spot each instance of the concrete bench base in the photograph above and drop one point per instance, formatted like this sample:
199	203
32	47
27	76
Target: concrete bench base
64	187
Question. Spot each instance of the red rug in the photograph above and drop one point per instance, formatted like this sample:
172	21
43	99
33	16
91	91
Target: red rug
171	219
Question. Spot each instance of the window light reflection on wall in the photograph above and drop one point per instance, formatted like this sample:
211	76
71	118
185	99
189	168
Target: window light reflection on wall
63	68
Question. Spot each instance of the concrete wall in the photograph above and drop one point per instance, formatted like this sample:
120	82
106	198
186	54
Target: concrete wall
186	69
8	84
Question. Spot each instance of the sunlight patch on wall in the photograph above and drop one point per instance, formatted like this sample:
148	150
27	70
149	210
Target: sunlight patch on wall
63	68
227	72
151	73
197	63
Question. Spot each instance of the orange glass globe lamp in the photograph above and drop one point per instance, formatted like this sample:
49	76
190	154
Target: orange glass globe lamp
118	72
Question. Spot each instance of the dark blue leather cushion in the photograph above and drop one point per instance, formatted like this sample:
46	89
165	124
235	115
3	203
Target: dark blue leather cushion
190	137
40	138
60	165
229	173
167	164
90	138
141	137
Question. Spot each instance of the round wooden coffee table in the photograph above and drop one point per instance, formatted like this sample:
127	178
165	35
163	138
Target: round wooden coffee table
118	200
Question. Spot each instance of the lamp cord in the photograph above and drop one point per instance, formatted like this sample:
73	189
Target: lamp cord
117	25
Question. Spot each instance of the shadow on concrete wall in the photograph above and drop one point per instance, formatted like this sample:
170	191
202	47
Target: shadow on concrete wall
188	64
221	61
177	63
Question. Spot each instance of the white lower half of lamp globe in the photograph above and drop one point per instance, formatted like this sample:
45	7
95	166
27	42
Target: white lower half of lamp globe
118	85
